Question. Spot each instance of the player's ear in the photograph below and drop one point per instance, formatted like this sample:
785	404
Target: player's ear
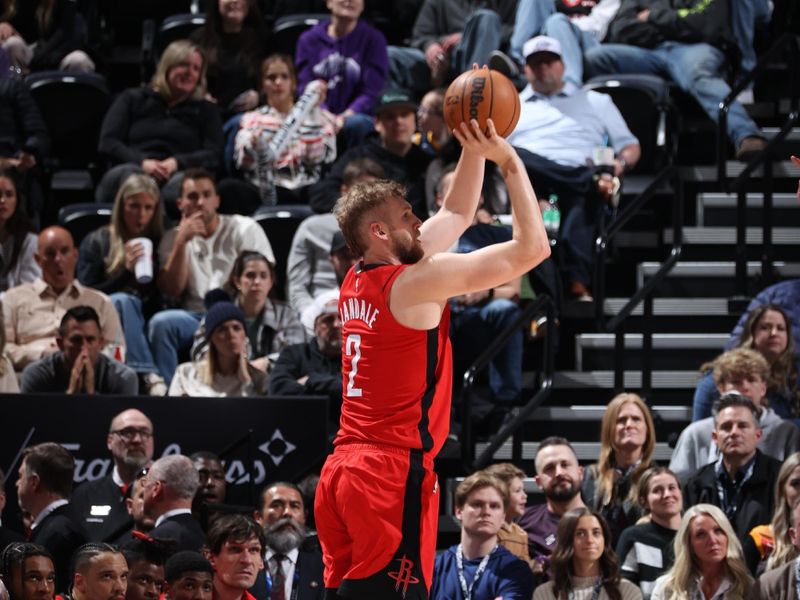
377	229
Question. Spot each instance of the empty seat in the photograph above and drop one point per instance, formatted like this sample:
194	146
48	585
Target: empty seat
644	102
176	27
83	218
280	223
73	106
287	30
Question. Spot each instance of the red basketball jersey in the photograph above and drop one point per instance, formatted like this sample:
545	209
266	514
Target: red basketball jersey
396	380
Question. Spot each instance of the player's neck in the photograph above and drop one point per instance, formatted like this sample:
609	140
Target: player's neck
380	256
226	592
476	547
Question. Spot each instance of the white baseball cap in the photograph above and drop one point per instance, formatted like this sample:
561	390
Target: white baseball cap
541	43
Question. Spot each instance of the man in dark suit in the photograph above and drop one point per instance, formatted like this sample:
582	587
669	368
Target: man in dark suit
7	536
169	487
289	557
235	547
43	489
101	503
742	481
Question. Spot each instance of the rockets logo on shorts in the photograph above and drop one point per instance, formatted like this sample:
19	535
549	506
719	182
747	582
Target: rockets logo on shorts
403	577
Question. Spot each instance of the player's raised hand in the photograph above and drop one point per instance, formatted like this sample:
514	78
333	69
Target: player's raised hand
492	146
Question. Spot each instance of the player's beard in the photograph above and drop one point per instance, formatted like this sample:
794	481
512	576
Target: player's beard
407	253
285	534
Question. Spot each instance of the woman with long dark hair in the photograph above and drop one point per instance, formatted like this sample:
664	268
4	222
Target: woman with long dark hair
17	240
768	330
233	40
584	564
270	324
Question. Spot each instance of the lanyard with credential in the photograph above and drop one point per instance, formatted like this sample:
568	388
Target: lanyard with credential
467	589
595	592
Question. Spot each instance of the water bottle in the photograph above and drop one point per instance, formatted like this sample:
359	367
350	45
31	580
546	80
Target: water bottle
552	216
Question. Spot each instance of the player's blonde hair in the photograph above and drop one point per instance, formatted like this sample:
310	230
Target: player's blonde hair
358	201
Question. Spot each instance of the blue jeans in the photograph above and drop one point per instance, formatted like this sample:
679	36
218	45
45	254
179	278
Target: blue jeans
171	332
744	16
129	308
529	22
409	71
574	44
696	68
473	329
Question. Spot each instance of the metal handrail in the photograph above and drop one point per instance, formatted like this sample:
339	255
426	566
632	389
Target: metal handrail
645	293
739	184
511	427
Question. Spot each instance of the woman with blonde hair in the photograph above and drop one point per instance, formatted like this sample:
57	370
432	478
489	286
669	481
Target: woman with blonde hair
771	543
164	128
107	260
708	560
627	441
583	563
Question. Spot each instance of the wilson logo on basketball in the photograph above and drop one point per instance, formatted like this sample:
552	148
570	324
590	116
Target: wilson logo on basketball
476	96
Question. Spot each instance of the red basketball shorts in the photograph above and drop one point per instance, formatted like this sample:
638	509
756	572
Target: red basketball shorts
376	511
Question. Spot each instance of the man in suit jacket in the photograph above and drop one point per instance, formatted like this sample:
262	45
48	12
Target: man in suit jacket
283	516
169	487
235	547
101	503
7	536
43	489
781	583
745	476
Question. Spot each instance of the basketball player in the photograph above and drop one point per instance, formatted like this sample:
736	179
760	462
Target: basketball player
377	500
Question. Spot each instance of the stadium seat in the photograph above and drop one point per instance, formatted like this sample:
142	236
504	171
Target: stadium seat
83	218
73	107
280	223
644	101
287	30
176	27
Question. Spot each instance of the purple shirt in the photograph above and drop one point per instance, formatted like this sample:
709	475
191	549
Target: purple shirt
541	526
354	66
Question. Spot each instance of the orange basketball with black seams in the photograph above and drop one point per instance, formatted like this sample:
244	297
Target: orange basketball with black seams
482	94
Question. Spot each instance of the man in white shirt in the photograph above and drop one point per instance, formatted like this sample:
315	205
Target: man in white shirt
195	257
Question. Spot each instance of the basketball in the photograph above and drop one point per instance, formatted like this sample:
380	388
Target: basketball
482	94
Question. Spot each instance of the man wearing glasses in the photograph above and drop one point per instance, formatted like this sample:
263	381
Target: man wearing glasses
101	503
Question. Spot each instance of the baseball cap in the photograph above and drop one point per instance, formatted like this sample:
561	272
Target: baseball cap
541	43
394	99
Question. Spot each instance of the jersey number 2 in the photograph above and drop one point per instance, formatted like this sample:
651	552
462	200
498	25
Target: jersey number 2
353	348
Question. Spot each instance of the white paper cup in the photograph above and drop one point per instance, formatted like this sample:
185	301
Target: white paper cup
143	269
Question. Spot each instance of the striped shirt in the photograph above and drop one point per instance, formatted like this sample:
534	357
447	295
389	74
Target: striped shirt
646	553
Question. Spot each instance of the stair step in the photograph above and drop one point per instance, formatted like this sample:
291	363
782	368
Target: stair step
716	236
708	173
719	210
587	452
707	278
671	351
670	380
683	307
581	412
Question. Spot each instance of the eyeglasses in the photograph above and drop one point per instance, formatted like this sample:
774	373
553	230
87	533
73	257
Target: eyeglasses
129	433
142	473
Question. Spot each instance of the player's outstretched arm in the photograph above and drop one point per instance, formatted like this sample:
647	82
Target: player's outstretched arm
441	231
441	276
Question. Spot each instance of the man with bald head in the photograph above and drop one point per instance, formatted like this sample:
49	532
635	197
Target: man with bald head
33	311
101	503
